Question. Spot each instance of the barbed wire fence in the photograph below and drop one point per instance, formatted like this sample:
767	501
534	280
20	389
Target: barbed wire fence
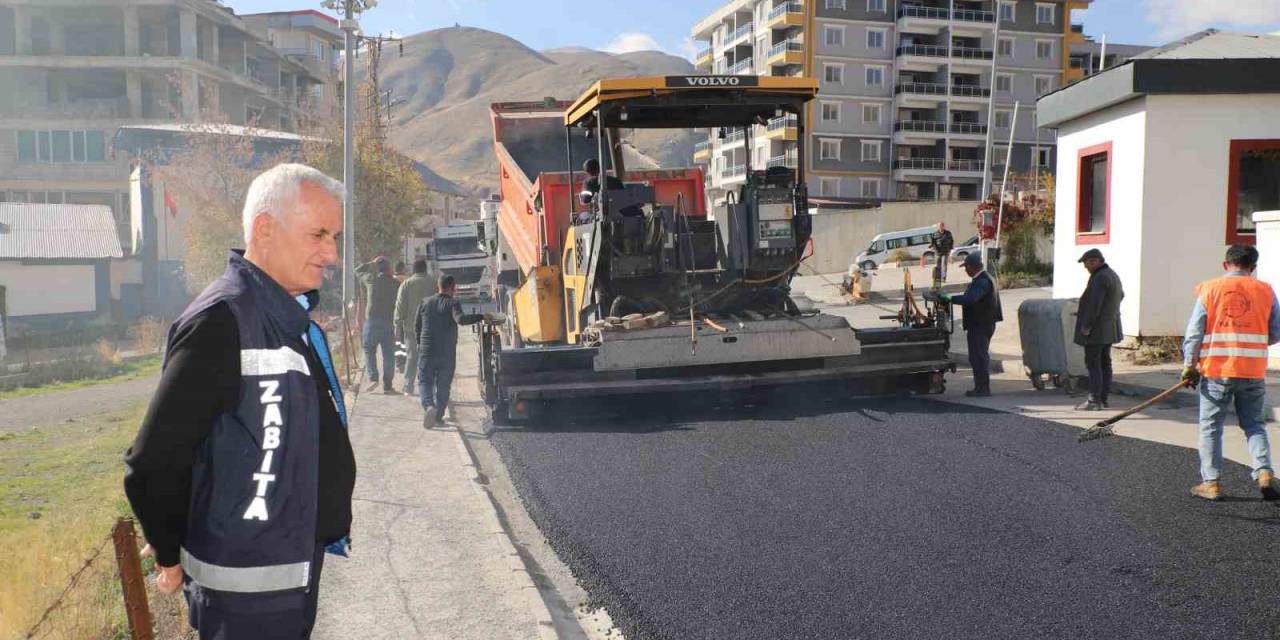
106	599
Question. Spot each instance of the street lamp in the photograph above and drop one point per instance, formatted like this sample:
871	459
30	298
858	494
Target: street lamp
349	10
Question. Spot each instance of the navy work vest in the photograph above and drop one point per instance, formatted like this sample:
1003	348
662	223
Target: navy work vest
253	506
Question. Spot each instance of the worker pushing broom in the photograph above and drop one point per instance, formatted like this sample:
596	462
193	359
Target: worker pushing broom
1235	318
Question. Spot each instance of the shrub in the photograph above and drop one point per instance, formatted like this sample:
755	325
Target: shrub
900	255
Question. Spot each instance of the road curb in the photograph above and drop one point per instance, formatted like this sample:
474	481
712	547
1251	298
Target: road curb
520	572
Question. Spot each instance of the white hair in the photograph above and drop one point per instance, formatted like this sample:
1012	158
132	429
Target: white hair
276	187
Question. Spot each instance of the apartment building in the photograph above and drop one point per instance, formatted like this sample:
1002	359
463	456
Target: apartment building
910	91
1087	55
73	71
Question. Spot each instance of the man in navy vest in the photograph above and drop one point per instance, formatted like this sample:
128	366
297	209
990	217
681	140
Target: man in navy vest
241	474
981	303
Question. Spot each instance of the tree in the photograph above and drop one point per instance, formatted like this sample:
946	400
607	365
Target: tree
1028	214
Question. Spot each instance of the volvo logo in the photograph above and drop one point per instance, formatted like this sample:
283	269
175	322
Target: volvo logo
712	81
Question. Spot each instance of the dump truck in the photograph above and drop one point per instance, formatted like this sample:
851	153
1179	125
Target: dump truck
458	249
623	284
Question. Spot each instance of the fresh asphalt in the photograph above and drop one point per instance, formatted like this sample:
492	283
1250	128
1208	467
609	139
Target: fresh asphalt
803	516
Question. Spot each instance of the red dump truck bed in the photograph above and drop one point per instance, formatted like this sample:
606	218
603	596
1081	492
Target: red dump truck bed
529	140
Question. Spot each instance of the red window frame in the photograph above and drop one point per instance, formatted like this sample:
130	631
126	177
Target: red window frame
1084	202
1238	149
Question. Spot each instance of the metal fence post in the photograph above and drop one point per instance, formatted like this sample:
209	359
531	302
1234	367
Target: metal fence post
131	581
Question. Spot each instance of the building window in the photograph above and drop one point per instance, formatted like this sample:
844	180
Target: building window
1004	82
835	4
1044	49
831	112
1093	204
1044	157
1044	13
870	187
1008	12
1004	47
62	146
1003	119
1253	182
871	151
828	149
1044	84
876	5
871	114
829	187
833	73
875	38
834	36
875	76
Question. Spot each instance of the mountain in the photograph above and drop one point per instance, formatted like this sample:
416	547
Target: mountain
446	79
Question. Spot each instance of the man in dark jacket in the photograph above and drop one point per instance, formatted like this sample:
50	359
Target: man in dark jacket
241	474
942	242
1098	326
380	308
981	302
437	330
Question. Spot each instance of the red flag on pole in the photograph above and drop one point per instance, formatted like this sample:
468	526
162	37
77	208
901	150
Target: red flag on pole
169	204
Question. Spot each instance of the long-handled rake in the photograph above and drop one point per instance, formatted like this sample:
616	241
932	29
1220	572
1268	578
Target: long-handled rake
1107	427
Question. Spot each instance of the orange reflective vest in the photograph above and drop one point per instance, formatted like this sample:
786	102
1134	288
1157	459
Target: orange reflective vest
1235	331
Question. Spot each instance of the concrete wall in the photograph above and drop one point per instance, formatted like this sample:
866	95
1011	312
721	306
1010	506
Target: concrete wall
44	289
1125	127
840	235
1185	202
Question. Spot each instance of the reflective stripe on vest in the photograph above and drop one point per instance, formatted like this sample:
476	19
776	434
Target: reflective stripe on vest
1238	310
246	579
272	362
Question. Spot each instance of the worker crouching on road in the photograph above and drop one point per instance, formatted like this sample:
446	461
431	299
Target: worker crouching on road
242	472
412	292
437	329
382	288
1098	326
981	302
1235	317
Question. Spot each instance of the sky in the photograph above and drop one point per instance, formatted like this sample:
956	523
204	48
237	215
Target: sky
632	25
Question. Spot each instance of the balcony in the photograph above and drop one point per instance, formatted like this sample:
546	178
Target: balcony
703	59
701	151
740	33
790	14
970	53
969	15
741	69
969	91
788	52
927	13
921	88
735	171
965	166
920	164
926	50
920	126
789	160
784	128
969	128
732	138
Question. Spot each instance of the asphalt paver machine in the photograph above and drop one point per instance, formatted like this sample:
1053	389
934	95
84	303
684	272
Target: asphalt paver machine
625	285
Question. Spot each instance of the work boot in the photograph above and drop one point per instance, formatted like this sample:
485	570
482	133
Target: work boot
978	393
1267	485
373	386
429	418
1209	490
390	392
1091	404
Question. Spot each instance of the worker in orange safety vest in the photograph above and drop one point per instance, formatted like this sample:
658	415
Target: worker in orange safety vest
1234	320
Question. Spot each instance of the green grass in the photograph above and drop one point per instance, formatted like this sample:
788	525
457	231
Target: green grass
60	492
132	369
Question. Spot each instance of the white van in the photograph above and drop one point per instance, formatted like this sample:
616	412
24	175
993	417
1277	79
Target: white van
914	241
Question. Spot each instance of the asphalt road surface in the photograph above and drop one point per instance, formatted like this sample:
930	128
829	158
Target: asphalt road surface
906	518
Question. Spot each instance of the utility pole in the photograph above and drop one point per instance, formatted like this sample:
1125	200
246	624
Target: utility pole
376	101
349	9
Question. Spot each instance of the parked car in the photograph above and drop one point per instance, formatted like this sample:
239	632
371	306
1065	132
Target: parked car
914	241
970	246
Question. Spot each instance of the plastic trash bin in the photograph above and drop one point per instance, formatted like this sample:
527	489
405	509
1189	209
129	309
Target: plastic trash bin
1049	352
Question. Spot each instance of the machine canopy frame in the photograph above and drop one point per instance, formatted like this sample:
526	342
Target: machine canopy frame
690	102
